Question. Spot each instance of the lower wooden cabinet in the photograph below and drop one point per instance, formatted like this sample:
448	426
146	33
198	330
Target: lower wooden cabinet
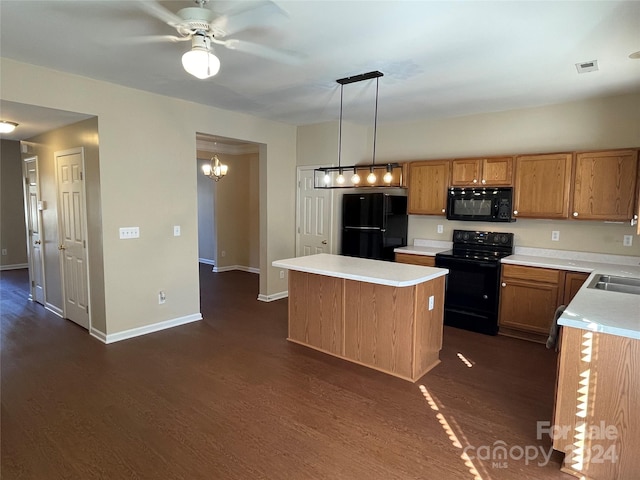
529	297
424	260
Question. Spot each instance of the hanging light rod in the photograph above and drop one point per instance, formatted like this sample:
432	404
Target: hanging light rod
360	78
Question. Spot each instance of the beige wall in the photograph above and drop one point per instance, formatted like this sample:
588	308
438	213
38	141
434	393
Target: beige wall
147	179
82	134
13	236
593	124
237	220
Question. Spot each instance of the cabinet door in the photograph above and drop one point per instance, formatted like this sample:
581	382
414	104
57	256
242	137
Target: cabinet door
542	184
497	171
605	185
424	260
527	306
428	183
466	172
572	283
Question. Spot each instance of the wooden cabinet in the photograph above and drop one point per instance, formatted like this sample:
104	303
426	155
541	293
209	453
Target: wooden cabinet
542	185
424	260
529	297
605	185
493	171
598	387
428	183
572	283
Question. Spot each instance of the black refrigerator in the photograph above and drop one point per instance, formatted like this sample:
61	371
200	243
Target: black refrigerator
373	224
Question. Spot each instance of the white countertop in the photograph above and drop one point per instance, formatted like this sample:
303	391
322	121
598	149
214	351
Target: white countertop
591	309
362	269
413	250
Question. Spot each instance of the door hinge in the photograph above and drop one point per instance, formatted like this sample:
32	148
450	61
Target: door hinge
84	243
87	308
33	284
81	176
298	229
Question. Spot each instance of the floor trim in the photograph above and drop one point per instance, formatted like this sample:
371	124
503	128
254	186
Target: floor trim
17	266
275	296
206	261
235	267
136	332
53	309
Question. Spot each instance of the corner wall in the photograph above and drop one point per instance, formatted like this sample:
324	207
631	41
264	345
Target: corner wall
13	233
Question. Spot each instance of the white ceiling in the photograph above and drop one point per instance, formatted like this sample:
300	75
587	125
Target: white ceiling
439	59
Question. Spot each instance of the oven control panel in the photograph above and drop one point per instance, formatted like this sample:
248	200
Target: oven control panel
471	237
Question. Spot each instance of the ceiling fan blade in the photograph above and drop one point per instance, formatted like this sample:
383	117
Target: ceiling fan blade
153	8
282	56
140	39
260	14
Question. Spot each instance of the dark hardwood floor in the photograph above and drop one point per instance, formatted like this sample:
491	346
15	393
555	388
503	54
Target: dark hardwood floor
230	398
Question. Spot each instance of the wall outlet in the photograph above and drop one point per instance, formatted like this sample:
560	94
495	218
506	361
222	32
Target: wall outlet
176	230
431	302
627	240
281	273
440	229
162	297
555	236
4	251
223	253
129	232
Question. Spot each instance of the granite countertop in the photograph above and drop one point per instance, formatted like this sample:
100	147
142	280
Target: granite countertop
591	309
362	269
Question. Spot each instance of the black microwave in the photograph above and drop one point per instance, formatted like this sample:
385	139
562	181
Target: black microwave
480	204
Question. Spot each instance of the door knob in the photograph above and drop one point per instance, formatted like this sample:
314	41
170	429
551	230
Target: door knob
37	242
61	247
504	284
575	214
324	242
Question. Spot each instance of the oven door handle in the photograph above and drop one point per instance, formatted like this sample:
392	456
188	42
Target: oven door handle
452	262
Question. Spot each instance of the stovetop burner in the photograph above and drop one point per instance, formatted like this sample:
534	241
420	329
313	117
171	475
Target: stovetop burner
477	245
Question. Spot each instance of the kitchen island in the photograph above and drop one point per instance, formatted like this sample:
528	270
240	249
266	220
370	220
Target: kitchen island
383	315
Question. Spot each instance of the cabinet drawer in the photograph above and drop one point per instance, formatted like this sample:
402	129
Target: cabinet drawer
532	274
424	260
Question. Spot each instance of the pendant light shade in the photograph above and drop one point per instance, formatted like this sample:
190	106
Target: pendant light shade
200	60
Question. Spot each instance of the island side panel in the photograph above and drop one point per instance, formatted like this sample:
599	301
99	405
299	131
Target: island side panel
315	311
428	326
379	326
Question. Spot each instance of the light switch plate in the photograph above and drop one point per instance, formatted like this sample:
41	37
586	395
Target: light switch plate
176	230
440	228
129	232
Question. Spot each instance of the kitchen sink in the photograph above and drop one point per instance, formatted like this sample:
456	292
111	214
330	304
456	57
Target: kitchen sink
612	283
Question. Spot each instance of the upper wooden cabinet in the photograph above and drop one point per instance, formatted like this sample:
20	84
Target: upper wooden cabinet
541	187
605	185
492	171
428	183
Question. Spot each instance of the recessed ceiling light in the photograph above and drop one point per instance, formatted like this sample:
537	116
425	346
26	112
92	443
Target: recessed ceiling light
7	127
584	67
635	55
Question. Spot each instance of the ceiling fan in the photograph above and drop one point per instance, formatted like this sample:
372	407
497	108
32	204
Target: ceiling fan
205	28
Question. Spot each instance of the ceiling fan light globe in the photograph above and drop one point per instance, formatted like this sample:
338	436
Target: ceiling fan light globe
200	63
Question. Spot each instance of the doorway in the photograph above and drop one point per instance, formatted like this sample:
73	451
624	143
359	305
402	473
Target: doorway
314	216
33	210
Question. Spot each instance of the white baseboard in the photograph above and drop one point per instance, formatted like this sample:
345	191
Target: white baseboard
206	261
275	296
136	332
235	267
17	266
53	309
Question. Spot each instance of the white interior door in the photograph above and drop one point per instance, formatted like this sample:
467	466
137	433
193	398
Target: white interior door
34	226
314	216
73	245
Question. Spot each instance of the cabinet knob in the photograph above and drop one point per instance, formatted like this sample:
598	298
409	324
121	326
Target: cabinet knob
475	180
443	210
575	214
515	212
504	284
484	181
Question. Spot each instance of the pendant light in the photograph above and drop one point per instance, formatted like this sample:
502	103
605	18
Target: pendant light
340	179
214	169
371	178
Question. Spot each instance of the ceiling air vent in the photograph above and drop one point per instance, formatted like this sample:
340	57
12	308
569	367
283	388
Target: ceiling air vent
584	67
